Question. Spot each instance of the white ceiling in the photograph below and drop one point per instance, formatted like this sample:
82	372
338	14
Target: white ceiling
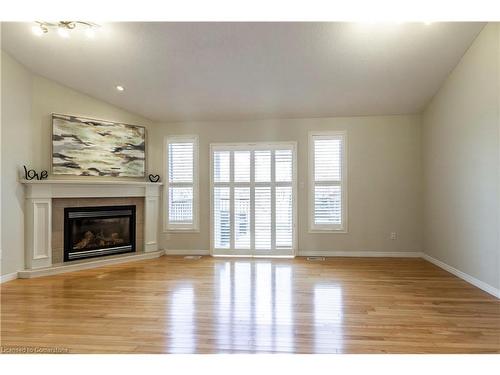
210	71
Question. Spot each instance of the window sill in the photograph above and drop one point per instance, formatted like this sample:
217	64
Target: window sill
181	231
328	231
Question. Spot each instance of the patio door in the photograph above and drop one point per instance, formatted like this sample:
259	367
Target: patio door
253	199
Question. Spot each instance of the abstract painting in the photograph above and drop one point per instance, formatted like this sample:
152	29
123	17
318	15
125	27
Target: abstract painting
87	147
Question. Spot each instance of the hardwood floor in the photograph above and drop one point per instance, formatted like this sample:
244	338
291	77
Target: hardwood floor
221	305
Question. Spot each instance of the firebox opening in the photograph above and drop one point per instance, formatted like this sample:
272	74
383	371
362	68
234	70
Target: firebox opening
98	231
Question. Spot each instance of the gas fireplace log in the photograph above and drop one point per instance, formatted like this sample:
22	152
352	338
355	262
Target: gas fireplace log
88	238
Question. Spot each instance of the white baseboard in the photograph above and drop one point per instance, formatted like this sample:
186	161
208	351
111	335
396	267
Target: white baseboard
8	277
464	276
186	252
327	253
366	253
63	268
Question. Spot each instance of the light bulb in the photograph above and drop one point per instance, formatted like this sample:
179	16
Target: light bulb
37	30
63	32
120	88
90	33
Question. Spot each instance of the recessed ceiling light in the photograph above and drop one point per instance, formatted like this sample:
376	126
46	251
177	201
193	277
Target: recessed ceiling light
120	88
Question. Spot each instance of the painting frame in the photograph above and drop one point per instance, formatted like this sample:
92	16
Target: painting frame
90	121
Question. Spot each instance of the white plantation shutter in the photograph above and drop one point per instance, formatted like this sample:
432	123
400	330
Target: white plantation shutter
263	221
241	217
327	159
242	166
180	205
262	165
263	217
182	186
180	162
222	221
283	159
284	216
327	181
221	166
253	199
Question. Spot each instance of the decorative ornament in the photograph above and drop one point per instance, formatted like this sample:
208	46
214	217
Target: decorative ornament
31	174
154	177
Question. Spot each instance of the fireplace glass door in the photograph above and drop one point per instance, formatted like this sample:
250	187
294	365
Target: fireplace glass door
98	231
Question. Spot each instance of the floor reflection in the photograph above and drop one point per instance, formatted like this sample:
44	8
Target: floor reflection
254	306
242	313
253	309
224	307
182	325
327	318
283	319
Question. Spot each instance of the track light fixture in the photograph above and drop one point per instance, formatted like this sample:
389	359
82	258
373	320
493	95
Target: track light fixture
64	28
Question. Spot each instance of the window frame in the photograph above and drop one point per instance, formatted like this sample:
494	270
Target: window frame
172	227
254	146
329	228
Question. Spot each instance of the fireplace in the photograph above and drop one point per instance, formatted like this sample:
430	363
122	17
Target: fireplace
98	231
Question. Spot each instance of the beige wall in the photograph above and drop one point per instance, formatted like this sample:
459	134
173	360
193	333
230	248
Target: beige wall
25	139
16	150
461	143
384	178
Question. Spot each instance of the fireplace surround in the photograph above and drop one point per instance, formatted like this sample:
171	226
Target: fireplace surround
44	240
91	232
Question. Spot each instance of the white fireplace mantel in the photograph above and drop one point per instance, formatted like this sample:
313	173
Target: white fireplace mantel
38	212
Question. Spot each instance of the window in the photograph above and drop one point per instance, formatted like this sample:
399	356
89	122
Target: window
253	199
182	183
327	176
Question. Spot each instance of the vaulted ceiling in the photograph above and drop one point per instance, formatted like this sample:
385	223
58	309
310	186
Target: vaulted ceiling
209	71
